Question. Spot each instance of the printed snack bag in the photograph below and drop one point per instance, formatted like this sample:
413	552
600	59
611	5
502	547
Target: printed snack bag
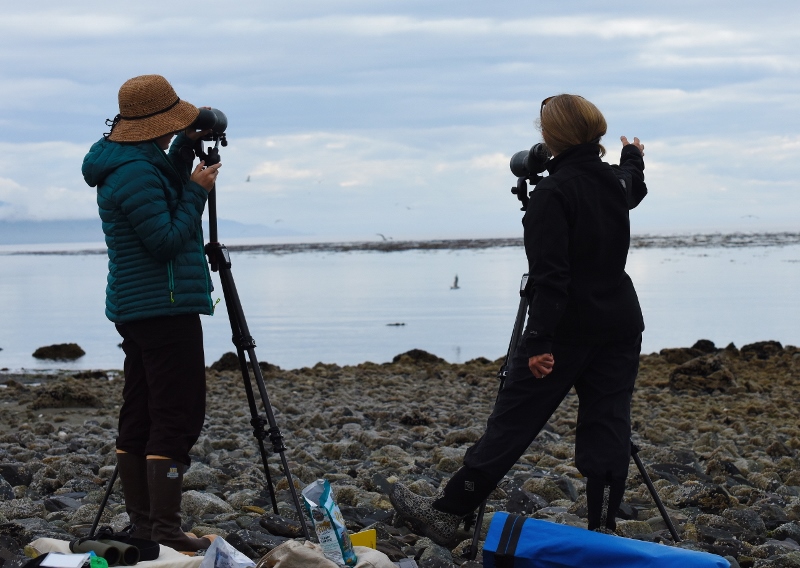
329	523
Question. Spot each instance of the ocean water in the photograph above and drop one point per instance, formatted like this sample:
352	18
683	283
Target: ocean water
336	307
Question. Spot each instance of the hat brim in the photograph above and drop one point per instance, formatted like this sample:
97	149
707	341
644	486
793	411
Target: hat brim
175	119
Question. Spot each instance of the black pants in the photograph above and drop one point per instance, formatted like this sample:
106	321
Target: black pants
603	376
164	398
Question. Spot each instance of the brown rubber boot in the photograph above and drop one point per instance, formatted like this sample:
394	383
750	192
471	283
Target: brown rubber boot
165	480
133	474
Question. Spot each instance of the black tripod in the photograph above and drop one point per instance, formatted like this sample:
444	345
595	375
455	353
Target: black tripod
220	261
516	335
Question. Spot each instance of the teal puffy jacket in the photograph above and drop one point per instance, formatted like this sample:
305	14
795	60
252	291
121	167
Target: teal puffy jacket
151	215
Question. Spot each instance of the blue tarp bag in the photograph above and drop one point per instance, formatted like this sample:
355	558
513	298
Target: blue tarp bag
521	542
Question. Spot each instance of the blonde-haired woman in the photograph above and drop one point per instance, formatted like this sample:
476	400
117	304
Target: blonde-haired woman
583	331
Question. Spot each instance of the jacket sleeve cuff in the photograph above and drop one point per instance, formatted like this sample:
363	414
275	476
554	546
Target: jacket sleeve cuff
534	347
199	195
632	150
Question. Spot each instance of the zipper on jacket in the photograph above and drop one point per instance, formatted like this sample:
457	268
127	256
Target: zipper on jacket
211	302
171	275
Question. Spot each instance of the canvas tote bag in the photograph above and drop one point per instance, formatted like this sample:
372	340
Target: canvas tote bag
294	554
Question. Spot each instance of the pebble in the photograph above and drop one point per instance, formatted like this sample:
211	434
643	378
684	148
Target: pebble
713	428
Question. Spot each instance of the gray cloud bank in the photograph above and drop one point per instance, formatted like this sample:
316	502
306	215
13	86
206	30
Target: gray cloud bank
351	118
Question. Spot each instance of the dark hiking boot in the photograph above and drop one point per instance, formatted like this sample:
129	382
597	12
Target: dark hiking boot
603	499
438	526
133	474
165	480
464	492
604	530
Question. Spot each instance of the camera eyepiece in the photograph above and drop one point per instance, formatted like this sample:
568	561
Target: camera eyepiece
211	119
526	163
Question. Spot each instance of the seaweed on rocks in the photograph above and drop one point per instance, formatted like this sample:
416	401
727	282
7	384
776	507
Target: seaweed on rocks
718	432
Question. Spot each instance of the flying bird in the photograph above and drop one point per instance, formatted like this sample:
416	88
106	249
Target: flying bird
455	284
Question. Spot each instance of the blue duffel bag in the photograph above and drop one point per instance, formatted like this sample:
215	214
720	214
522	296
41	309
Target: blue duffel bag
521	542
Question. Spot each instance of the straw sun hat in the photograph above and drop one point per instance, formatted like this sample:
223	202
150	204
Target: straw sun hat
149	108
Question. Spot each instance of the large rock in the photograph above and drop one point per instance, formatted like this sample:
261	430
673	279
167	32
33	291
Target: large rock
199	476
228	362
788	530
198	504
705	496
679	355
60	352
748	519
433	555
417	356
545	488
15	473
22	508
87	514
281	526
254	543
771	513
761	350
706	373
28	530
6	489
522	502
67	393
705	345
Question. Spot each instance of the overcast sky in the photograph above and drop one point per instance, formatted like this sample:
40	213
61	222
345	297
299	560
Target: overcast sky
352	118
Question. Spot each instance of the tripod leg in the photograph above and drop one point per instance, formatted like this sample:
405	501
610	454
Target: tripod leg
276	438
473	547
516	332
258	426
516	335
104	502
245	343
256	421
653	493
220	262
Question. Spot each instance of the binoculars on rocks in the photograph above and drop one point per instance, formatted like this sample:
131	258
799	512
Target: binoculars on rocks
113	551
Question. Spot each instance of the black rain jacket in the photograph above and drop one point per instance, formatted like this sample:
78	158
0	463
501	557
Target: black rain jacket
577	234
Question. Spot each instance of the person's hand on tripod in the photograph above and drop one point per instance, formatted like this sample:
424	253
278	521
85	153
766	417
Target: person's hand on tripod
541	365
206	177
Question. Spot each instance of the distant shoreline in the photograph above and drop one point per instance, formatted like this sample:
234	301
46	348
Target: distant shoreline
712	240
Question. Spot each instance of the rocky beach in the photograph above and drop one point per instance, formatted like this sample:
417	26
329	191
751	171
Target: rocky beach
718	431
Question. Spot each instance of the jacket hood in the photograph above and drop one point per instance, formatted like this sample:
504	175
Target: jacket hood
105	156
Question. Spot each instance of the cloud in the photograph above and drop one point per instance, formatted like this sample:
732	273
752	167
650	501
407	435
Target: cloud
329	183
495	161
57	24
280	171
43	181
360	116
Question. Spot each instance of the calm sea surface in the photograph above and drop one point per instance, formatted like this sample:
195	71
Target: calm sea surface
336	307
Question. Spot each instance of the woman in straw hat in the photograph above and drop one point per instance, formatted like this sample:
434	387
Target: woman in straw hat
151	203
584	327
